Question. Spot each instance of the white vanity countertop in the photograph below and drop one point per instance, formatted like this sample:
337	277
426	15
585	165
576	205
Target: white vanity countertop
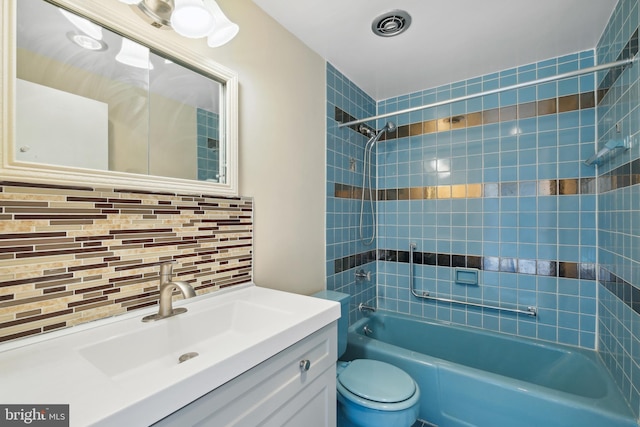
123	372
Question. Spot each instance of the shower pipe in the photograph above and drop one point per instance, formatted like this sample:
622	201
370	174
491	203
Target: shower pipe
621	63
530	311
366	172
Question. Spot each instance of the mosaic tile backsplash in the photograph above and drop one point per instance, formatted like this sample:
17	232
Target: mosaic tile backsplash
73	254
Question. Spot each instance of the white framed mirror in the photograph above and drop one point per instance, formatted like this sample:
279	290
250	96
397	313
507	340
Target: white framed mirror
129	106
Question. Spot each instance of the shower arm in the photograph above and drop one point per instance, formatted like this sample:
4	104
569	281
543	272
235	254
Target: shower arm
368	148
611	145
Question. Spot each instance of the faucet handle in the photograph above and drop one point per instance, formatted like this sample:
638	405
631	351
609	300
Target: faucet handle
166	269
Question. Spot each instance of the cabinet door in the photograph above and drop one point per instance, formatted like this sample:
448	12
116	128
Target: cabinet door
314	406
277	392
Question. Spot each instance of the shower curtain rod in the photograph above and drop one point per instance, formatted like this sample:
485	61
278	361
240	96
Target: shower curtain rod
621	63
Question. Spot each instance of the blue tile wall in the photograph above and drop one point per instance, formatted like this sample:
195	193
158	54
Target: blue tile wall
520	226
599	228
345	153
618	210
208	145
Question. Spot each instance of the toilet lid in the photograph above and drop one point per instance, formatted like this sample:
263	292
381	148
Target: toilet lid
377	381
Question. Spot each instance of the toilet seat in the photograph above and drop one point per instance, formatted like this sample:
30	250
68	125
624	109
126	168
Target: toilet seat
377	385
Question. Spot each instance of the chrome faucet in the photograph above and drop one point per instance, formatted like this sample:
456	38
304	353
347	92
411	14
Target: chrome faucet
363	308
167	286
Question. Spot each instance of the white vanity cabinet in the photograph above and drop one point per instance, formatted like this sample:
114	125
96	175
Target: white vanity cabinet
296	387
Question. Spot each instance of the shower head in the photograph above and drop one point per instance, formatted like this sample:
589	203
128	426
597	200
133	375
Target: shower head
389	127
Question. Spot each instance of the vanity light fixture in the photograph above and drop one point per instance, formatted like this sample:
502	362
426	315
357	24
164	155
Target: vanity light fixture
225	30
189	18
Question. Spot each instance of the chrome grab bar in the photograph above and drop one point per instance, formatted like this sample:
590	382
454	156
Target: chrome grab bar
530	311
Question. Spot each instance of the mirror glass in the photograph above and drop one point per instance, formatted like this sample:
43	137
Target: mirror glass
89	98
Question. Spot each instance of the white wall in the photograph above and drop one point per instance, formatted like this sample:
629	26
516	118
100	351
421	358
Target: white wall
74	133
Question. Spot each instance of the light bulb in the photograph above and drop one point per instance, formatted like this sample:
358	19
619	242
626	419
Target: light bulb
191	19
134	54
225	30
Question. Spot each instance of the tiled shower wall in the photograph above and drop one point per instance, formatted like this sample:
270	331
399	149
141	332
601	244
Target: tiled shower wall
346	252
619	204
72	254
496	184
208	124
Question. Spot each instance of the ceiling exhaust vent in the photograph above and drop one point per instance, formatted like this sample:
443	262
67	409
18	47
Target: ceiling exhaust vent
391	23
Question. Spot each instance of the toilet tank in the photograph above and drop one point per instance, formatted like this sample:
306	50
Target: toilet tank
343	322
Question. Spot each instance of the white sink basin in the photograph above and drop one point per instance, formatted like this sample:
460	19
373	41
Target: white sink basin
210	331
122	371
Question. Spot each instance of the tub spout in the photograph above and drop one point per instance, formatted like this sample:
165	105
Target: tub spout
365	308
167	286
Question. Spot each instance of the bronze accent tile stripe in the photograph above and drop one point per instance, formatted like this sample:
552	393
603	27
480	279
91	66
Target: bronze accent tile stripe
107	260
623	176
570	270
497	115
553	187
629	51
342	116
352	261
622	289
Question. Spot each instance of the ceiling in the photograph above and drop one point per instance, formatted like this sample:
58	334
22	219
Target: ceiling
448	40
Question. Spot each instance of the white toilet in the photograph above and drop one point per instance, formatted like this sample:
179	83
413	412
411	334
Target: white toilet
371	393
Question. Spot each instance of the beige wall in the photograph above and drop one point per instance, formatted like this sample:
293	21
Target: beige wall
282	147
172	149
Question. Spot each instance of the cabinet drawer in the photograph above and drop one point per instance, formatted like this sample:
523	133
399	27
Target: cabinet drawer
251	398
